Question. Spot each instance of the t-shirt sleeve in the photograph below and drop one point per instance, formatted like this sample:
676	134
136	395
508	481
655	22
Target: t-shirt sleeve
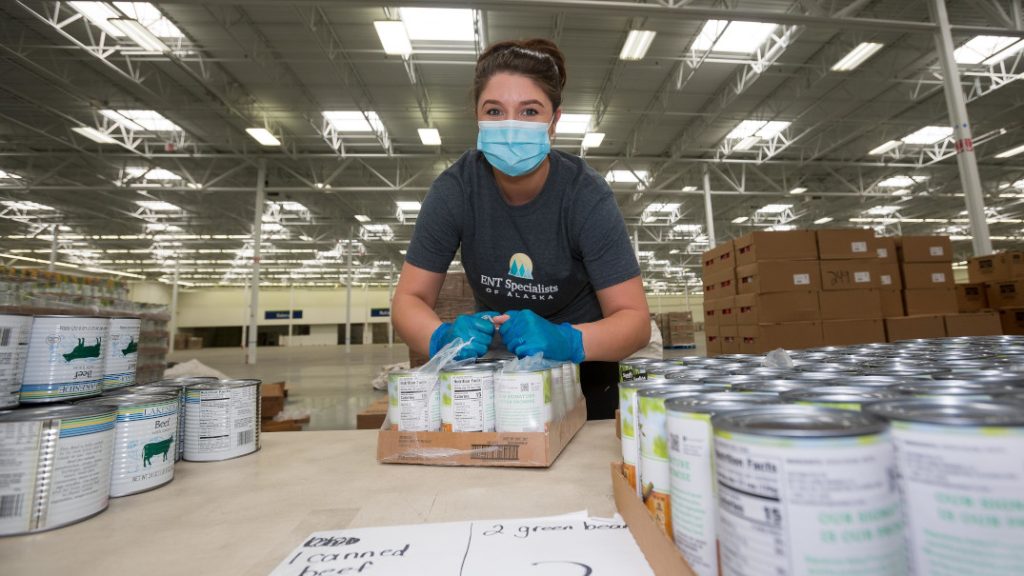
438	230
604	244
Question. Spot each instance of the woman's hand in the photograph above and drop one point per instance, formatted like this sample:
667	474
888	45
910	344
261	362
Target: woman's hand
525	334
477	327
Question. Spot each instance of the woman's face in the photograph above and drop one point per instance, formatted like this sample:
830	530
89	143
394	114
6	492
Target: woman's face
508	96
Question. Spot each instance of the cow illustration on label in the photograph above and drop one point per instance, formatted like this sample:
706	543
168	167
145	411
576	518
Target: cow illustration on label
132	348
156	449
81	351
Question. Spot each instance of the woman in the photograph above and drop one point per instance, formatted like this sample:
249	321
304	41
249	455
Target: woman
543	243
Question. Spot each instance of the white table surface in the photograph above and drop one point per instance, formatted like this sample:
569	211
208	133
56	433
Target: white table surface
243	516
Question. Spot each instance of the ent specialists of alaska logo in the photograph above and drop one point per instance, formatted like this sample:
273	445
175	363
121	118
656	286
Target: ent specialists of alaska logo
519	266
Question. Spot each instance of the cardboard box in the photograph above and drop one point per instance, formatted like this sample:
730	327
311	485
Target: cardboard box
503	449
1012	320
925	249
999	267
922	275
778	276
885	249
977	324
372	417
710	314
850	332
791	336
272	397
892	303
845	244
850	304
714	344
721	257
889	275
760	246
779	307
730	339
849	274
971	298
658	548
727	312
938	301
719	284
1007	294
914	327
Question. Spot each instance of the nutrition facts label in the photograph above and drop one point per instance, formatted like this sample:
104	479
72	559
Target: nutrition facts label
81	476
419	406
472	398
808	506
19	462
220	424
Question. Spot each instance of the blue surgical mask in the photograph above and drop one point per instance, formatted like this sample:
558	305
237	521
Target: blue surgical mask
514	147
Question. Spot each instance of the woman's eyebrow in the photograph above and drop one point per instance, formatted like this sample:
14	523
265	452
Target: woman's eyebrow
532	102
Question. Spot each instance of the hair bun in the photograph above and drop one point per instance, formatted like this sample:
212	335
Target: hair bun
551	49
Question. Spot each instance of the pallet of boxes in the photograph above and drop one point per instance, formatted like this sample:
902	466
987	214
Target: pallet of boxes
995	286
677	329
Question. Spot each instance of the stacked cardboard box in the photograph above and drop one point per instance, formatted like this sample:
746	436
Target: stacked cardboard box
996	281
927	266
718	273
677	328
851	295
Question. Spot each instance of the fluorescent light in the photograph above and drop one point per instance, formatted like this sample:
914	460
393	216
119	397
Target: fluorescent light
158	205
394	37
150	173
882	210
901	181
362	218
593	139
118	118
745	129
94	135
798	190
857	56
689	188
781	228
27	206
141	120
736	36
749	132
637	44
151	18
139	34
1011	152
746	144
771	129
627	176
686	228
987	50
9	176
406	206
351	120
99	13
884	147
824	220
439	24
290	206
774	208
430	136
901	192
928	135
740	220
263	136
573	124
667	208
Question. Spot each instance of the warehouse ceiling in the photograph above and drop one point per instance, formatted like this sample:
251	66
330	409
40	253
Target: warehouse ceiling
123	125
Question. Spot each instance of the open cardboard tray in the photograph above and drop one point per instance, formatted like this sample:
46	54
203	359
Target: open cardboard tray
660	551
507	449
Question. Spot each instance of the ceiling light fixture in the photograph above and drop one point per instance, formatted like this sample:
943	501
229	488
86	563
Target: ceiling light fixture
263	136
879	150
429	136
636	45
139	34
439	24
593	139
1011	152
824	220
740	219
798	190
573	124
857	56
928	135
94	135
735	37
394	37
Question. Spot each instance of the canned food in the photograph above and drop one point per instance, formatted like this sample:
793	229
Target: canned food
169	386
144	441
414	401
633	369
522	400
657	370
960	472
65	359
839	397
777	386
980	390
558	405
222	420
14	334
628	414
692	462
807	490
56	466
122	353
467	399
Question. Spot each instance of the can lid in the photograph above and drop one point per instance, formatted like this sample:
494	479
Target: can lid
478	367
715	402
841	394
667	389
949	411
130	399
791	421
56	412
956	387
777	386
222	384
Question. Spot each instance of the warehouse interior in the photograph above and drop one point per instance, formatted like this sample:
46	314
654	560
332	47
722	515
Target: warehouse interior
174	145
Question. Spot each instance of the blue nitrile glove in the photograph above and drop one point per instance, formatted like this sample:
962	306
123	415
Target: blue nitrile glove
467	326
525	334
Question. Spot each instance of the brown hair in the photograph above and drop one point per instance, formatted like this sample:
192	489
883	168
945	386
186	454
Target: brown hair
538	59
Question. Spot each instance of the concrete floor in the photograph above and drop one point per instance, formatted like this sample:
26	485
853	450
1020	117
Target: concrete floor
326	382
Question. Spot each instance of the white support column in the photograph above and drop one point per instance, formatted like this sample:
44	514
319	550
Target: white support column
709	212
970	179
54	231
173	324
391	295
257	239
367	328
291	310
348	294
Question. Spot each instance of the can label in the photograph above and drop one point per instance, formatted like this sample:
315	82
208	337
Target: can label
693	490
962	488
414	402
220	423
522	401
558	405
793	506
569	385
65	359
627	429
467	401
144	447
655	483
21	443
122	356
14	335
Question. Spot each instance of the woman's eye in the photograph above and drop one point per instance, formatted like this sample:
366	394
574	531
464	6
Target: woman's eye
530	112
493	112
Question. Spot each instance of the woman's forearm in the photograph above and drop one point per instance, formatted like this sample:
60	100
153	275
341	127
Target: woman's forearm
617	336
415	321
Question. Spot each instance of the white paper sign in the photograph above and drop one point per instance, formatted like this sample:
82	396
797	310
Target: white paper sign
886	279
936	250
523	547
861	277
858	246
801	279
938	278
882	252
